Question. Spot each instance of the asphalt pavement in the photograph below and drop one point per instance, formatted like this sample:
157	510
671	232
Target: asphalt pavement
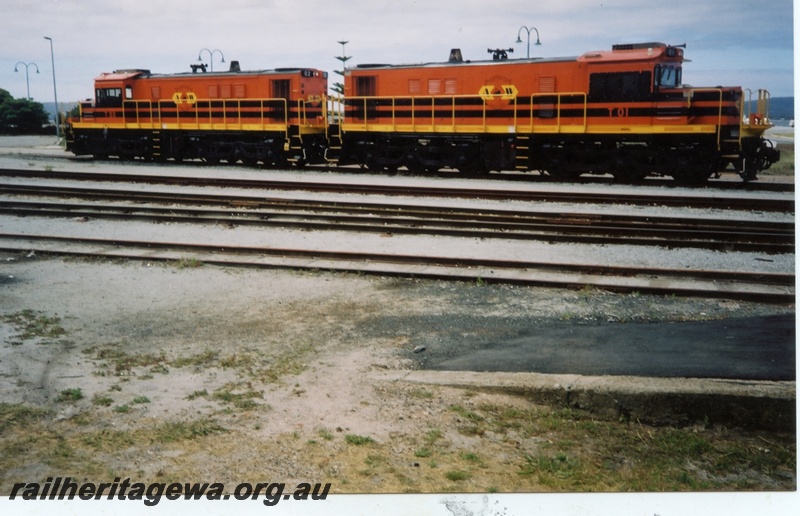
756	348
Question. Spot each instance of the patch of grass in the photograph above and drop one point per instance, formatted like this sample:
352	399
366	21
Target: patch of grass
183	430
473	424
358	440
21	415
32	325
241	397
205	358
188	263
68	395
122	409
421	393
457	475
141	399
785	166
254	364
108	439
553	470
471	457
121	363
197	394
103	401
433	435
465	413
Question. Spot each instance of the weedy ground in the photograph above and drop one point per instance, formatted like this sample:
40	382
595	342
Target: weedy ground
187	372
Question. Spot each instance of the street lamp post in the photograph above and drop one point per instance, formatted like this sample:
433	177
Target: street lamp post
211	56
519	37
55	93
27	81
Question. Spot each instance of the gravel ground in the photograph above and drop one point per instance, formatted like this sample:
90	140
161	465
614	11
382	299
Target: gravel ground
278	358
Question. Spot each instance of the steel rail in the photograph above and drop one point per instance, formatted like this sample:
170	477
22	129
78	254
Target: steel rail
509	216
726	182
770	287
711	201
576	228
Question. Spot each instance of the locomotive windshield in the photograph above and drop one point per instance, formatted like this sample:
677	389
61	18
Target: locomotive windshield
668	76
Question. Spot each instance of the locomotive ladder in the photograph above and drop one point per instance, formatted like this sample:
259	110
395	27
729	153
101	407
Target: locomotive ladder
523	152
334	146
156	141
295	146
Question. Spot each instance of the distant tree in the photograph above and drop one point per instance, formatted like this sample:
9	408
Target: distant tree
21	116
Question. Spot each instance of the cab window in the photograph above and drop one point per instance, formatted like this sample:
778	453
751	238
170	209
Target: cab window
620	86
108	97
668	76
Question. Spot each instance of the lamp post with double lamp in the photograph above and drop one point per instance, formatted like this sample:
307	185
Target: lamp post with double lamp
55	93
211	56
526	29
27	81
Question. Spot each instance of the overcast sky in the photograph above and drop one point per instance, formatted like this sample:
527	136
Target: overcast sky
733	42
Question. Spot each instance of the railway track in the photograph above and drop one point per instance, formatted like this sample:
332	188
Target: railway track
732	202
771	287
671	232
86	201
727	182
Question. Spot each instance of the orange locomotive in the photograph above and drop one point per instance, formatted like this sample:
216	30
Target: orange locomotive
274	117
623	112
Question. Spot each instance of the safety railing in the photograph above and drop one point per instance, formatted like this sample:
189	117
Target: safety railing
558	112
216	114
689	94
442	113
761	115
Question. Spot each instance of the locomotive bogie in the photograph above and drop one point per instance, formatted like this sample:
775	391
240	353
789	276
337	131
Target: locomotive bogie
469	154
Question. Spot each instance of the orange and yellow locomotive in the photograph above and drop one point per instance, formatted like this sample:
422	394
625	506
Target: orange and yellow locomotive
275	117
623	112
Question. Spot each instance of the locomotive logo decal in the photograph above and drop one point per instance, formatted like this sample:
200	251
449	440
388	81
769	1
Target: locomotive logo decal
498	92
180	98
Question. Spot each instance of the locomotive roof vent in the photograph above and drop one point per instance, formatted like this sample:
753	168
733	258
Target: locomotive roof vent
235	67
455	56
637	46
133	70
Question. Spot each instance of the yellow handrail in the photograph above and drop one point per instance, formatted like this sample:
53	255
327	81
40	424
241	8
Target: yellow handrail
690	95
150	114
362	118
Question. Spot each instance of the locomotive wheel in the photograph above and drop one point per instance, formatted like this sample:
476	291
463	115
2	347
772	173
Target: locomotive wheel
750	170
563	174
473	170
694	169
629	170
